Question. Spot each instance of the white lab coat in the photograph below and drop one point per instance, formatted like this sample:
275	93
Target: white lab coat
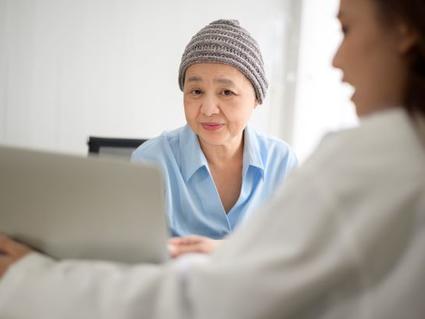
343	238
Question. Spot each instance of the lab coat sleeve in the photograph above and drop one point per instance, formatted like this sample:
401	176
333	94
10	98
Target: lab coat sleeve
38	287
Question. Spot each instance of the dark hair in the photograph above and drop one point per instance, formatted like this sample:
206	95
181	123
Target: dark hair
411	12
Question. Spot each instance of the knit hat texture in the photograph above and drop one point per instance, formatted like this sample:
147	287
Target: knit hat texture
226	42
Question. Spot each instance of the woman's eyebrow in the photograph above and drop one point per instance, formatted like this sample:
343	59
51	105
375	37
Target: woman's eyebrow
224	81
194	79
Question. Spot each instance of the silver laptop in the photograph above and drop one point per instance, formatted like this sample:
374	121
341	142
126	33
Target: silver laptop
85	208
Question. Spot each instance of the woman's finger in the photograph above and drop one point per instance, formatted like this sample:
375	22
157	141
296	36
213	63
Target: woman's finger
186	240
6	245
12	248
178	250
5	262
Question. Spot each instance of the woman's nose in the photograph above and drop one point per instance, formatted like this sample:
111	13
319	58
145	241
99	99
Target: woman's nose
209	106
336	60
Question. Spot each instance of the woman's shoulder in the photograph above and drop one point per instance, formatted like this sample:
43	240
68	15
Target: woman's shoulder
157	147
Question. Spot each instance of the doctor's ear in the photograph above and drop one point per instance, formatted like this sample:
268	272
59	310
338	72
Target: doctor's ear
408	38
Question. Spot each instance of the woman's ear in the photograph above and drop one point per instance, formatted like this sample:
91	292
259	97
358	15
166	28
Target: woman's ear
408	38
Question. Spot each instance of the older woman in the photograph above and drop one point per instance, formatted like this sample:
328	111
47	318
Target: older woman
218	168
344	238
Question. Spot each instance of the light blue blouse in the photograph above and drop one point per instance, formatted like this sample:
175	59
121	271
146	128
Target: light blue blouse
193	203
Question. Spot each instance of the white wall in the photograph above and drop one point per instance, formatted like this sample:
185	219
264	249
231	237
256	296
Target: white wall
74	68
322	103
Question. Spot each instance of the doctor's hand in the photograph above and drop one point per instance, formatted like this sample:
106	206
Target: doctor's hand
10	252
178	246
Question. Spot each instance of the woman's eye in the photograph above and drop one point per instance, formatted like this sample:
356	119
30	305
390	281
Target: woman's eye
227	93
196	92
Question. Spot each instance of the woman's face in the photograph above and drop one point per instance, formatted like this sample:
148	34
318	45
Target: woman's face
371	56
218	102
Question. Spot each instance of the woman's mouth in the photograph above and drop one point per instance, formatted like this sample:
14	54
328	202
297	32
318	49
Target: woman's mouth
212	126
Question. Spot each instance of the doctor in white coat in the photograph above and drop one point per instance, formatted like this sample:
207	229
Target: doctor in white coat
344	237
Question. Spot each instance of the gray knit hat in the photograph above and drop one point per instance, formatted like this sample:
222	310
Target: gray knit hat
226	42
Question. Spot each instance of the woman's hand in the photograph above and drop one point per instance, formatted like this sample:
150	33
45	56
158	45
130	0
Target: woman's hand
178	246
10	252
